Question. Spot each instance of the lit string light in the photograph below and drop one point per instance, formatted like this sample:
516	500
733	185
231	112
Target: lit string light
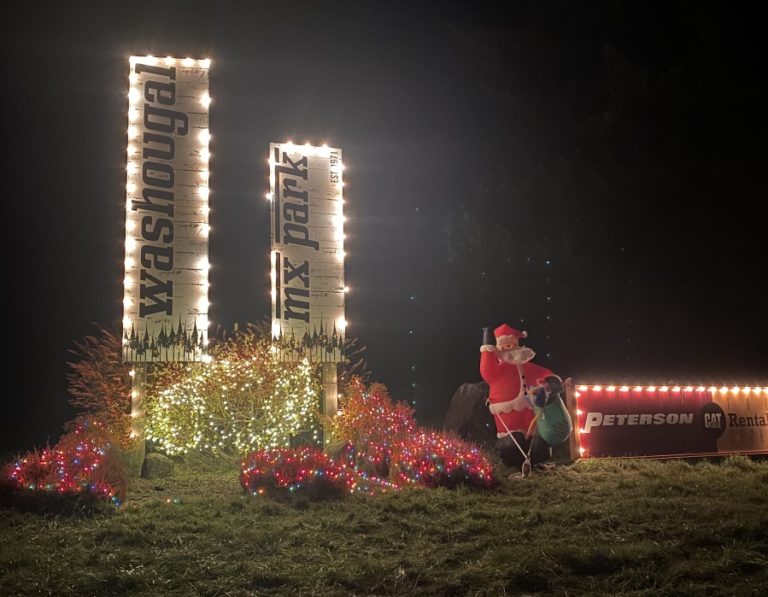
177	339
267	472
663	392
244	399
74	466
385	441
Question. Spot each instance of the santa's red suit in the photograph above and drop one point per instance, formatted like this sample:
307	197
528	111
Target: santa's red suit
510	381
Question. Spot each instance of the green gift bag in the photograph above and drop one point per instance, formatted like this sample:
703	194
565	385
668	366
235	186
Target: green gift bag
553	422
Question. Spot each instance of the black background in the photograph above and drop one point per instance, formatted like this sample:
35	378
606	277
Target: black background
591	172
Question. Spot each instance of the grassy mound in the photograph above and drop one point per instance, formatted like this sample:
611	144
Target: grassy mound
596	527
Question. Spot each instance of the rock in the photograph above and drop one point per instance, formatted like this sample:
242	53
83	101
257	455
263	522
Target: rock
157	466
469	417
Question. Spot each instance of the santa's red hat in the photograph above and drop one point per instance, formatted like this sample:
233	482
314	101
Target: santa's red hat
505	333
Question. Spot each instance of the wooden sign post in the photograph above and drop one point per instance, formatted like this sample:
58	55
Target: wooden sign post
165	301
570	405
307	218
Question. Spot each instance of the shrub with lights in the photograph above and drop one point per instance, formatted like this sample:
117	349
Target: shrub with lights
81	463
372	423
99	384
438	460
244	399
307	469
384	440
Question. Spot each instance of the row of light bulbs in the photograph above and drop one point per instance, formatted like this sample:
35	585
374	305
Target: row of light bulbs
133	168
172	61
204	137
675	389
338	221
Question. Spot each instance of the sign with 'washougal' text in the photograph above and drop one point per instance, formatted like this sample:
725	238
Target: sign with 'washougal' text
165	315
307	250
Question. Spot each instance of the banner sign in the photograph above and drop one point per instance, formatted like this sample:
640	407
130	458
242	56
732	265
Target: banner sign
165	316
307	251
671	421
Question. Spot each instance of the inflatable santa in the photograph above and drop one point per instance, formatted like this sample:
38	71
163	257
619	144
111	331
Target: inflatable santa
516	384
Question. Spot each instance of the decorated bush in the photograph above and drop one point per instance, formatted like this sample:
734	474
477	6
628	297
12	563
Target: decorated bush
83	462
372	423
308	470
384	441
244	399
100	386
439	460
305	471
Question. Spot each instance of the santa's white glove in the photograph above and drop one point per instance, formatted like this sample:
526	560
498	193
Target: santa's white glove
487	348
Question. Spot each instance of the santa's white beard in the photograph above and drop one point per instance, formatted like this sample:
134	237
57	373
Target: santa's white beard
516	356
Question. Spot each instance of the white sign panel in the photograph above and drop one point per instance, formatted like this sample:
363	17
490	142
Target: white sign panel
307	249
165	316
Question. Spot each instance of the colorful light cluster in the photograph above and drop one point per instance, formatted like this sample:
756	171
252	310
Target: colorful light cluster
306	470
244	399
373	423
436	460
385	450
430	459
75	465
266	471
385	441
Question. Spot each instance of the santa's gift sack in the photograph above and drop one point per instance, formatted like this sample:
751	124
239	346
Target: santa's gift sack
553	422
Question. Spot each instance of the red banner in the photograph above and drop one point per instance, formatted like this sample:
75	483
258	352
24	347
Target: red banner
635	421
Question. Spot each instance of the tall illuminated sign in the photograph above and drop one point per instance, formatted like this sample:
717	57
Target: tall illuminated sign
165	313
307	250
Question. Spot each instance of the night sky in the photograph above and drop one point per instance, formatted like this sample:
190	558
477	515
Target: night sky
590	172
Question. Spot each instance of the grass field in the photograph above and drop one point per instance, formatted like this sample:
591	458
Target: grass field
600	527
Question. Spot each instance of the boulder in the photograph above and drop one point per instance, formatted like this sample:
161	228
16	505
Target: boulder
469	417
157	466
